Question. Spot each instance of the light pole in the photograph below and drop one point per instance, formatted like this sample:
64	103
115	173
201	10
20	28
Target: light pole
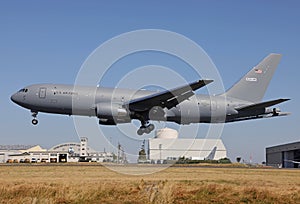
160	147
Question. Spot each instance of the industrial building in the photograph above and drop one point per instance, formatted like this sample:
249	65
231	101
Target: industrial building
164	147
167	146
66	152
285	156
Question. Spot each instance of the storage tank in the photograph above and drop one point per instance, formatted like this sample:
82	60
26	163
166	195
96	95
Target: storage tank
166	133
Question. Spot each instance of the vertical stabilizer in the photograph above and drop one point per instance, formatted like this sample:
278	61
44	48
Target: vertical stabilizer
254	84
212	154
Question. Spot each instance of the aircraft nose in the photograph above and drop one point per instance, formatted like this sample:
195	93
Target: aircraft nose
14	98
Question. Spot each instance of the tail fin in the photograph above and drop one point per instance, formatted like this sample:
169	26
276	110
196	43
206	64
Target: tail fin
254	84
212	154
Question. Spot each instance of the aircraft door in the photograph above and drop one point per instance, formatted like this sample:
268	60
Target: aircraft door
215	111
218	110
213	105
42	92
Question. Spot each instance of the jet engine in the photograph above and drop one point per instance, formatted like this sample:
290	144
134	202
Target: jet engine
112	114
157	113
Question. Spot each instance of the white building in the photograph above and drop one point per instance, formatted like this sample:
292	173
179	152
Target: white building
65	152
167	146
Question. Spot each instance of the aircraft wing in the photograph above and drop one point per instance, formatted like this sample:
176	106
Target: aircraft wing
260	105
166	99
295	162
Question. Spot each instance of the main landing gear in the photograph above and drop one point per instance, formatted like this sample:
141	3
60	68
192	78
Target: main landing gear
34	120
145	128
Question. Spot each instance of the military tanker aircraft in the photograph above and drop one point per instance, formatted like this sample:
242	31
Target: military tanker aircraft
112	106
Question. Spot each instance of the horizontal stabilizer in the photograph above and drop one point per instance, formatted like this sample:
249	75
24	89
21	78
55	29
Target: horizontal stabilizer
261	105
283	113
270	115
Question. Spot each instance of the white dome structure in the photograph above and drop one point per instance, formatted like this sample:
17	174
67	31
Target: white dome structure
166	133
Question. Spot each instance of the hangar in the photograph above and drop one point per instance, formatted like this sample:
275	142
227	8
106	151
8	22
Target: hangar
167	146
284	156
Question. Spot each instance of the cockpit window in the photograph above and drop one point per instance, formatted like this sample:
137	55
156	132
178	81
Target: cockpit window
23	90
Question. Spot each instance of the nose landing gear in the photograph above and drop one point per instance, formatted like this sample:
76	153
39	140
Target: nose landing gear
34	120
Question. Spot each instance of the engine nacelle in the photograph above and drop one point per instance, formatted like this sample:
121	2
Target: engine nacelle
112	114
157	113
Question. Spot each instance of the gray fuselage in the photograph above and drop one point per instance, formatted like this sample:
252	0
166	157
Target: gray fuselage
84	100
243	101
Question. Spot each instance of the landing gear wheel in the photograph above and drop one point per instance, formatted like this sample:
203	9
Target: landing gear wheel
34	121
140	131
151	127
145	129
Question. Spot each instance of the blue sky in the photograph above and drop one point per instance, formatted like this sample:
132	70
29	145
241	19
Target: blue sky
48	41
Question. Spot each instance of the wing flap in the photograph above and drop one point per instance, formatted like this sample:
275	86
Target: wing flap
178	99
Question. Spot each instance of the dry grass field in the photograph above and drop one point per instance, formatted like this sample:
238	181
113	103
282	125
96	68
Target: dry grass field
92	183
